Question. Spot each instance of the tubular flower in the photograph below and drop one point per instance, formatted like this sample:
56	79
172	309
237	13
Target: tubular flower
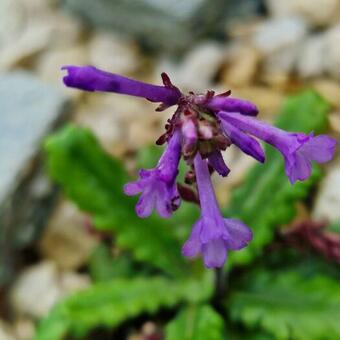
298	149
202	126
158	186
212	235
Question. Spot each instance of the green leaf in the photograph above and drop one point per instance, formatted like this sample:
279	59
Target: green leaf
94	181
104	267
196	323
288	305
107	304
267	199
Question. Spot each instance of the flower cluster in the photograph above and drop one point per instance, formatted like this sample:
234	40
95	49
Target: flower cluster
203	126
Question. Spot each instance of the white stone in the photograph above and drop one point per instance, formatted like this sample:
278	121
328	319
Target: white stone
24	329
50	62
113	53
36	290
66	241
242	65
279	34
281	62
5	331
65	31
198	68
328	198
332	55
71	282
11	19
316	12
311	59
32	40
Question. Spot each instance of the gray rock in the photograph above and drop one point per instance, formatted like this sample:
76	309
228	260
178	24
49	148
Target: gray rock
29	110
171	25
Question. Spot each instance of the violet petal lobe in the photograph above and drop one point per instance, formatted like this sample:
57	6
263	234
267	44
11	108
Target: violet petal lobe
214	253
222	103
240	234
319	149
158	186
216	160
89	78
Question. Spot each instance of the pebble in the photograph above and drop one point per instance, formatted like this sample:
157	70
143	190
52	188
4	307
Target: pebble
332	55
316	12
334	120
71	282
36	290
66	241
11	21
109	115
198	68
113	53
279	34
311	58
6	332
328	197
28	43
280	63
242	66
329	89
24	329
239	164
268	100
39	287
49	66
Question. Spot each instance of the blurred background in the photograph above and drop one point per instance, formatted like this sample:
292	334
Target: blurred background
263	50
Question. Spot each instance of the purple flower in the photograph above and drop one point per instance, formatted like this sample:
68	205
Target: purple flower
216	160
202	126
212	235
247	144
89	78
224	103
158	186
189	132
298	149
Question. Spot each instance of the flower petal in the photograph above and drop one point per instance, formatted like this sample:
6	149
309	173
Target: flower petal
192	247
132	188
163	206
222	103
239	234
145	204
214	253
217	162
89	78
299	168
247	144
320	148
